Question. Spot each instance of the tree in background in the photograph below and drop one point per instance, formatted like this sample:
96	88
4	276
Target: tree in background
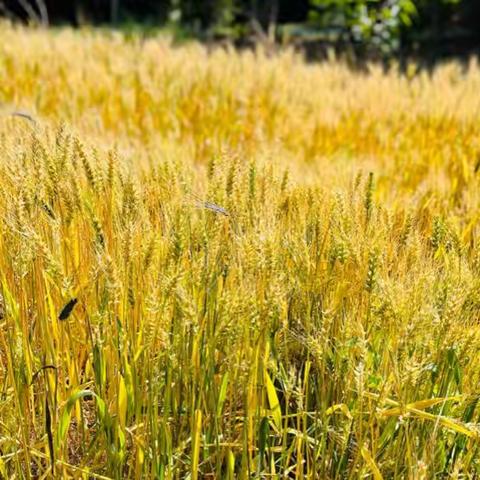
384	26
370	23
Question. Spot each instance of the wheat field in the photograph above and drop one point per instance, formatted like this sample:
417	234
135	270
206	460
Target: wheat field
220	264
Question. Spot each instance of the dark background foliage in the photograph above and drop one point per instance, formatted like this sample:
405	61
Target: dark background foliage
385	28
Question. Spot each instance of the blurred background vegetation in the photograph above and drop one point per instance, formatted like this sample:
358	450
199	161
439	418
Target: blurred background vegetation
429	29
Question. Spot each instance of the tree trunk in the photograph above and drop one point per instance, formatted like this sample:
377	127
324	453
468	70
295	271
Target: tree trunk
272	20
114	11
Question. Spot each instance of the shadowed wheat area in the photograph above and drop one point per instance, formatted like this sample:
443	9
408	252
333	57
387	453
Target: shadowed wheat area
232	265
